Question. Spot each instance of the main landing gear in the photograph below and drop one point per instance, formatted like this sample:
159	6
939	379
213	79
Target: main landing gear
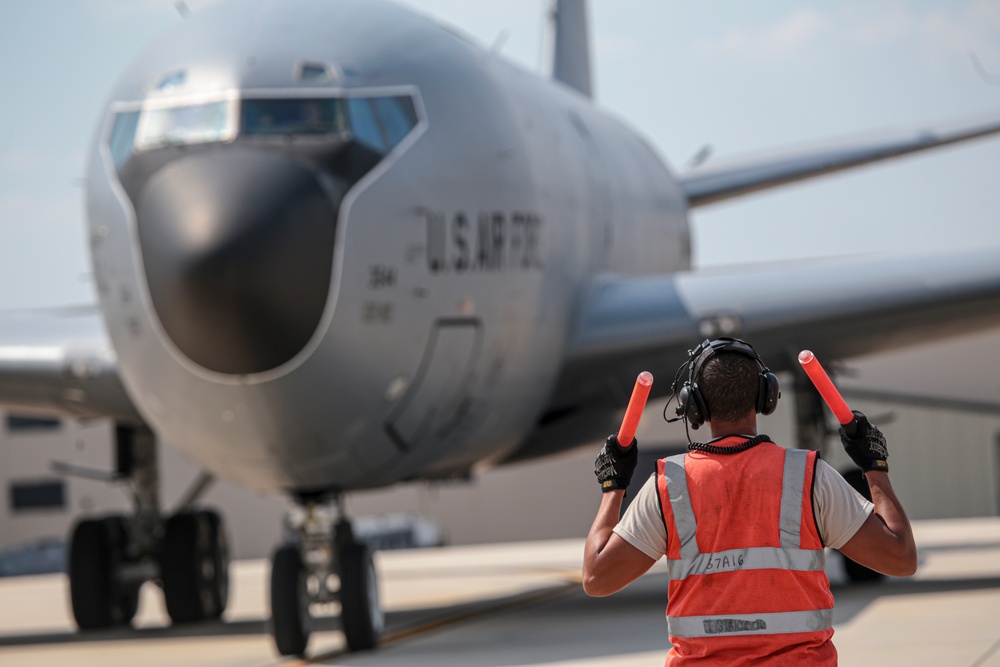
324	563
111	557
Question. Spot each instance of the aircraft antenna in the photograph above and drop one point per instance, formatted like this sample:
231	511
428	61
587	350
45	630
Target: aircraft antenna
701	157
500	41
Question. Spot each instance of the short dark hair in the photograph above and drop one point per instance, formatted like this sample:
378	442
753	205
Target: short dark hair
729	383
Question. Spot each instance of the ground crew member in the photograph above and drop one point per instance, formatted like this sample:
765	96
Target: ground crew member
743	523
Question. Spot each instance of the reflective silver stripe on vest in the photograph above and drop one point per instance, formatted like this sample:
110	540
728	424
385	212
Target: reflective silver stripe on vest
792	481
788	557
680	503
758	558
750	624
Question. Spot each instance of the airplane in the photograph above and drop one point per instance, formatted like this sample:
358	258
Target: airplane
338	246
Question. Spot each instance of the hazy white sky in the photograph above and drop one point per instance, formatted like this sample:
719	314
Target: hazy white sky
742	77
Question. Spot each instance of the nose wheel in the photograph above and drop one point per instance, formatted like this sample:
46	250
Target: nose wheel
291	621
361	610
194	566
305	575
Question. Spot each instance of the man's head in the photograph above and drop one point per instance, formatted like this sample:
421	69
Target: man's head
729	386
725	382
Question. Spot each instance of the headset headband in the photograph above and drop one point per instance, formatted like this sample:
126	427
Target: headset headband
690	402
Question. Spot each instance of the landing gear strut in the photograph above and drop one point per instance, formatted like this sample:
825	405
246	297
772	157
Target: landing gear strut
325	563
111	557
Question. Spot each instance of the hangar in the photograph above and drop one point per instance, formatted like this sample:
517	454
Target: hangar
944	456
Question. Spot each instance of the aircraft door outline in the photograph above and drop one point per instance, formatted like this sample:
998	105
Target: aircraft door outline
438	395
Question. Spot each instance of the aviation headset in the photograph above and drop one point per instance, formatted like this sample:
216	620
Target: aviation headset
690	401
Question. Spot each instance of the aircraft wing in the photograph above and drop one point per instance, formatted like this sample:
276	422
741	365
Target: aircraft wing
712	184
837	308
60	362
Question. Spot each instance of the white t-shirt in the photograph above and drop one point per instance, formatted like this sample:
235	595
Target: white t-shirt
840	511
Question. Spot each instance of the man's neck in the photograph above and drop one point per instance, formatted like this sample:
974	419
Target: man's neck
747	426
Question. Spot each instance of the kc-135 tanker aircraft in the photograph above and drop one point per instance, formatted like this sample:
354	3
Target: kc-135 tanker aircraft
338	247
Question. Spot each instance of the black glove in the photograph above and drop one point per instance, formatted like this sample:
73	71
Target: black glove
615	464
865	444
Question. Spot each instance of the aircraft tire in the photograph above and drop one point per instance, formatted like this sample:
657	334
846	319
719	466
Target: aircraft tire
291	622
855	572
97	547
361	610
126	602
194	566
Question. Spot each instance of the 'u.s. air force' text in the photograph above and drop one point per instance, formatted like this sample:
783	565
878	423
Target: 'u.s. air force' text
488	241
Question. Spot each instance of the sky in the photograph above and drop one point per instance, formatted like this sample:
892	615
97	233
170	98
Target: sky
742	78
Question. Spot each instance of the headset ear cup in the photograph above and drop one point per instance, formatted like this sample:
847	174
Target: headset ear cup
684	406
769	393
697	410
688	405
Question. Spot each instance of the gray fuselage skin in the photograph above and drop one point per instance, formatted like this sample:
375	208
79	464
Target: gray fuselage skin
448	281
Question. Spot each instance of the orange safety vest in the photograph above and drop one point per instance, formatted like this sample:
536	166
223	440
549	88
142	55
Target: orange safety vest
748	584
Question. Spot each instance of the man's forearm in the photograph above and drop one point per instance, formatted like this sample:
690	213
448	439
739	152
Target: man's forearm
594	568
890	510
603	526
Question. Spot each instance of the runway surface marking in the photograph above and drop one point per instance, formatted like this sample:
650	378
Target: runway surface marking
452	619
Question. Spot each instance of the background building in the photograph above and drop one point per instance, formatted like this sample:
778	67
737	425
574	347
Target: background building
942	422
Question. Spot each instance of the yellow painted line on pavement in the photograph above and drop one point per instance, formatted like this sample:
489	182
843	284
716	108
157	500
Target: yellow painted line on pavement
447	620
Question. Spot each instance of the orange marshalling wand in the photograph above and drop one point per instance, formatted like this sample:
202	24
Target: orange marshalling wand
643	383
812	367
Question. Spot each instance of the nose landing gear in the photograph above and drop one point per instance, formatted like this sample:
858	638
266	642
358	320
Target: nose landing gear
194	566
323	563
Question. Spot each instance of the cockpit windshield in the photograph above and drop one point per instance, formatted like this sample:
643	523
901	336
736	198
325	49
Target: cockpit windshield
189	124
312	116
379	122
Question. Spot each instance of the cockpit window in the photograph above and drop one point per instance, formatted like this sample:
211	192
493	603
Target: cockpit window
315	72
309	116
189	124
122	135
364	124
172	80
397	115
379	123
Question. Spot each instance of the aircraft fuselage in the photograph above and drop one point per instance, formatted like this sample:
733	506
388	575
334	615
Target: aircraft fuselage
338	246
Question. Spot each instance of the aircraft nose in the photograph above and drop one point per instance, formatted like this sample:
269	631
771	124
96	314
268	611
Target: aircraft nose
237	248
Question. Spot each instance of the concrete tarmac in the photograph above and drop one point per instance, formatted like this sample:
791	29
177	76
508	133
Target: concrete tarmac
521	604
